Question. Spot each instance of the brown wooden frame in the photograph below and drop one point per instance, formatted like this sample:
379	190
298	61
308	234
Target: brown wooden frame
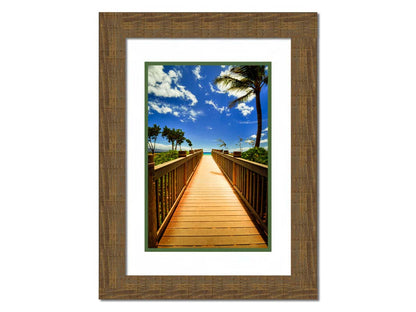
302	29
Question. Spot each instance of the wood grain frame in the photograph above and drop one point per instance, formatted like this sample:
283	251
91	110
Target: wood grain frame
115	28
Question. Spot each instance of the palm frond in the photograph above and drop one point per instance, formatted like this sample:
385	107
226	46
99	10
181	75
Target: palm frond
246	79
266	80
252	72
241	99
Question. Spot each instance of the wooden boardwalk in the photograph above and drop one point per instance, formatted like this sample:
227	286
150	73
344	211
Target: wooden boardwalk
210	215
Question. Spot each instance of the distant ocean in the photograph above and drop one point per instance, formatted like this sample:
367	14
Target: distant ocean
207	153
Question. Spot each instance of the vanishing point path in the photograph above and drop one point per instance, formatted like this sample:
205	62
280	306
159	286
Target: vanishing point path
210	215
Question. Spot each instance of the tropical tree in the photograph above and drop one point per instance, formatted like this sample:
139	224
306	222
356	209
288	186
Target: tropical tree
240	141
152	134
248	80
179	137
169	134
189	143
222	143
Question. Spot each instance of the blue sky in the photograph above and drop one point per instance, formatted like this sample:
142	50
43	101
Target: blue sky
185	97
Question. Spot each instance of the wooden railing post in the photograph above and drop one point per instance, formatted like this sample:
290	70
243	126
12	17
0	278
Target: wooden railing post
236	155
183	154
151	204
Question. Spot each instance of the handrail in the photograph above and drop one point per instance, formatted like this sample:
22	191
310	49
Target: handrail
167	182
250	181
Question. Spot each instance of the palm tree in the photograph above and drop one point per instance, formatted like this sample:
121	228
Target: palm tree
240	141
152	134
169	134
189	143
222	143
179	137
248	79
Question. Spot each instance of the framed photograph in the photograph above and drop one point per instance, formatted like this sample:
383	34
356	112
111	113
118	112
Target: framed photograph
208	153
208	156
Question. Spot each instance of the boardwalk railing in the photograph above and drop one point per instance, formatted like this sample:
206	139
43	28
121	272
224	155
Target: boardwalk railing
166	184
250	181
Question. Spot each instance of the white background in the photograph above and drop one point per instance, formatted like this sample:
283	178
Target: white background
49	155
275	262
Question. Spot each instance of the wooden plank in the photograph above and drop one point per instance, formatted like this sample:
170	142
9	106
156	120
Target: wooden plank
213	204
215	199
185	213
225	205
211	240
201	195
208	224
207	208
210	218
218	246
211	232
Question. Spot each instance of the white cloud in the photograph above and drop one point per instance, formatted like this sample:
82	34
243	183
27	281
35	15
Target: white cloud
177	111
161	108
194	114
166	84
199	85
263	141
216	107
209	128
189	95
222	66
265	129
255	135
245	109
214	90
197	72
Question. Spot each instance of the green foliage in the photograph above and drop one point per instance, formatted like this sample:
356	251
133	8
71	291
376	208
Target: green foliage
179	136
152	134
161	158
174	136
169	134
189	142
257	154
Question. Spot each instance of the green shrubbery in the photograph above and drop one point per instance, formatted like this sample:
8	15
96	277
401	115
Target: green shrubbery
257	154
161	158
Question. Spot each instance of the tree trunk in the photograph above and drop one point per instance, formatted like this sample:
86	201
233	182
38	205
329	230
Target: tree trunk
259	125
172	145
